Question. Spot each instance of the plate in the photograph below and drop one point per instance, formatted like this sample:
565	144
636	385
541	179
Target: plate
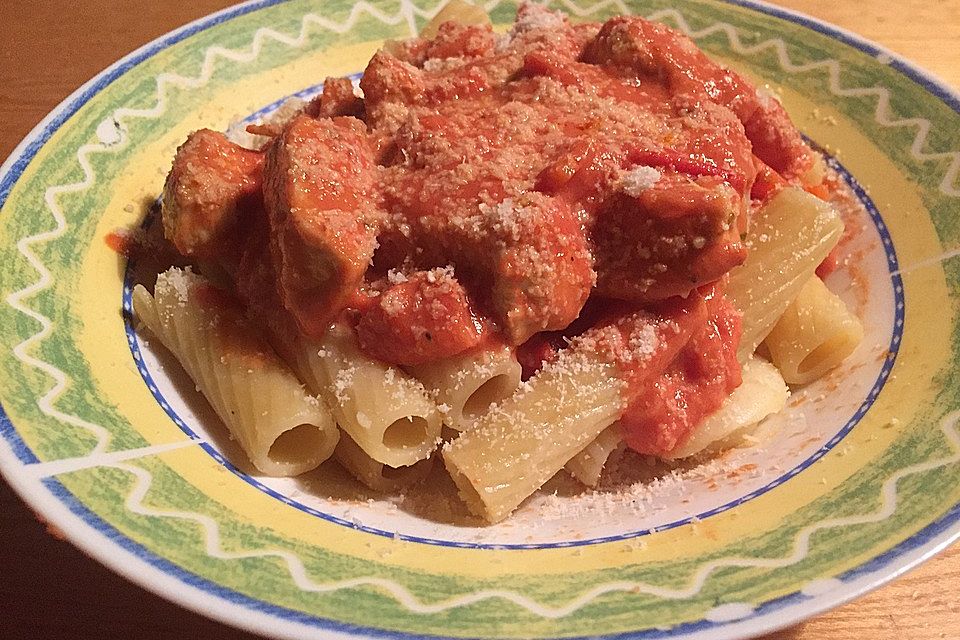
857	482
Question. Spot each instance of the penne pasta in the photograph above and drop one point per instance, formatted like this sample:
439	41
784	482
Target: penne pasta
761	393
377	475
453	11
283	430
466	385
814	334
386	412
522	442
587	466
790	237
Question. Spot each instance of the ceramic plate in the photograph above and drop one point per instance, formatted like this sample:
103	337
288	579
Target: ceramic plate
859	481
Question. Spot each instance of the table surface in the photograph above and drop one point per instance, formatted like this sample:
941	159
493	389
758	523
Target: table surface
51	590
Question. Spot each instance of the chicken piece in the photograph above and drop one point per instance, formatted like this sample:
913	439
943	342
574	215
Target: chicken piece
337	99
211	184
654	52
455	200
542	268
320	199
531	253
663	223
389	86
426	317
455	40
668	238
538	28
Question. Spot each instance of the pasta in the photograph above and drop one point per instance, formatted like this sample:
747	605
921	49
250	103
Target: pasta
793	233
376	475
283	430
466	385
455	11
522	443
546	246
387	413
815	334
587	466
761	394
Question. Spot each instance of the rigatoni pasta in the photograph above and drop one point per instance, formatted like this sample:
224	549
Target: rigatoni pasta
456	11
791	235
376	475
521	443
762	393
465	385
386	412
587	466
283	430
815	334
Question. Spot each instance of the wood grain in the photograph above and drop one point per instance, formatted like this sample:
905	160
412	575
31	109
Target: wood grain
52	591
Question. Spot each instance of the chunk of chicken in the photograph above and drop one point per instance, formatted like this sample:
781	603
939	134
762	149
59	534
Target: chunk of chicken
651	50
319	193
426	317
677	234
212	182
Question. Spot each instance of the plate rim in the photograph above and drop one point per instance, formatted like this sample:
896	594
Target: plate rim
183	588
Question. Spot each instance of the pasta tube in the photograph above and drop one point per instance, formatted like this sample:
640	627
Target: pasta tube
468	384
455	11
761	393
522	442
282	430
385	411
587	466
791	236
377	475
813	335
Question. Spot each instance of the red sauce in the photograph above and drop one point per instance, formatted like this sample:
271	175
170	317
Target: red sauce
212	183
144	245
674	323
830	263
768	183
537	351
121	243
668	407
237	341
421	319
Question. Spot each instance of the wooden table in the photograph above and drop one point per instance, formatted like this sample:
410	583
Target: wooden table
52	591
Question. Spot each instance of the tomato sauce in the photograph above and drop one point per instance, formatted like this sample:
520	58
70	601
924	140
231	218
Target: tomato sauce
420	319
121	243
668	407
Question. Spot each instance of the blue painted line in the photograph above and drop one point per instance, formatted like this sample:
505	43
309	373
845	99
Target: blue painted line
9	433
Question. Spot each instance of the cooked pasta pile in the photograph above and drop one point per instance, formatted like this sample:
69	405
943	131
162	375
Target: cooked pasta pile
518	253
